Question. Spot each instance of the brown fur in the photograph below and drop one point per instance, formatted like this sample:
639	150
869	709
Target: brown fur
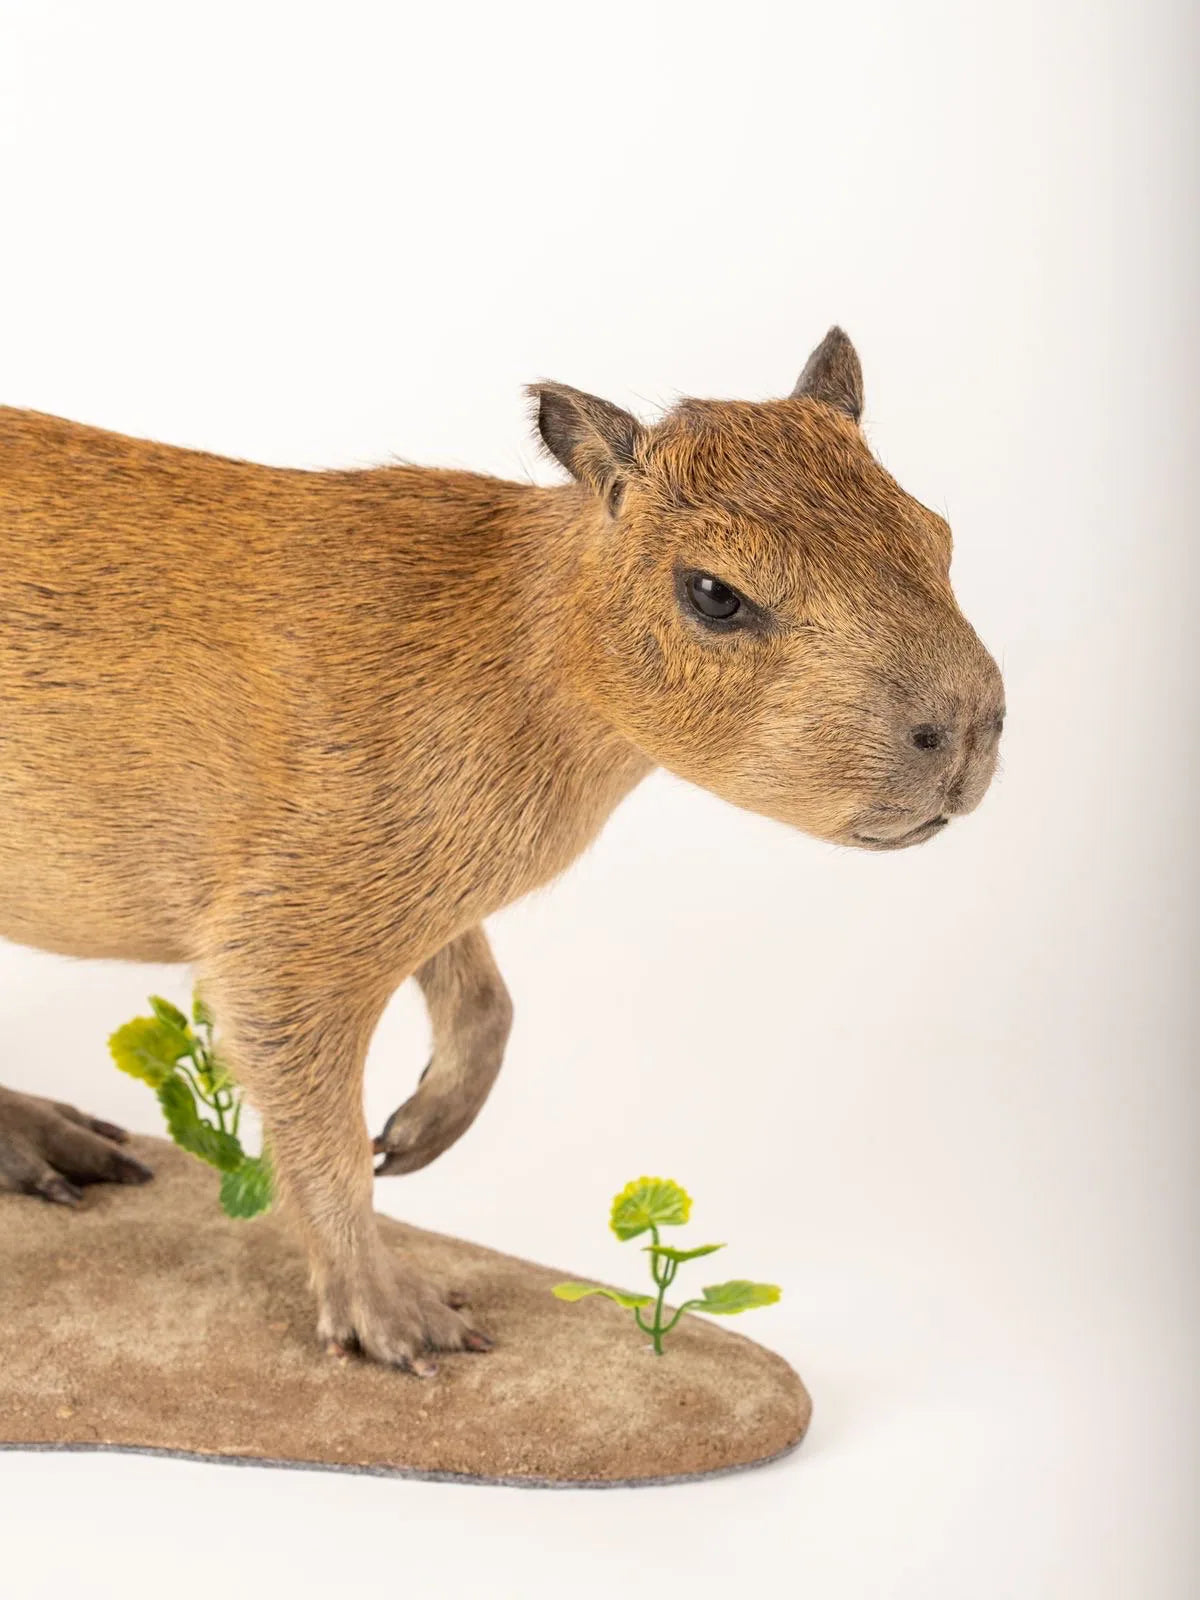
307	730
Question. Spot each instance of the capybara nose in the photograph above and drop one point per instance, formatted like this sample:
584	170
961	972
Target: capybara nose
969	732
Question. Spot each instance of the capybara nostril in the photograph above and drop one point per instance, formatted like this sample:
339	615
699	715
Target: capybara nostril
926	737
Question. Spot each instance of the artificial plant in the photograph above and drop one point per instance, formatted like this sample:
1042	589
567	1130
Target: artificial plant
178	1058
644	1206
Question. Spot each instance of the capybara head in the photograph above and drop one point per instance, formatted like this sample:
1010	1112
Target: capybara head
760	608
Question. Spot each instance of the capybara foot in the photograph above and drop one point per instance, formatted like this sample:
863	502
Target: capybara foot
50	1149
386	1312
426	1124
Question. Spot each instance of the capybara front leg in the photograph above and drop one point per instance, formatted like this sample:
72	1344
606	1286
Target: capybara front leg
300	1057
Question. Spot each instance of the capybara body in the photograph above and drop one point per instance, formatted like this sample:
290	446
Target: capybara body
307	730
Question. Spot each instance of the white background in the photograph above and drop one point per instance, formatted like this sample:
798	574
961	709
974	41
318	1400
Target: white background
944	1097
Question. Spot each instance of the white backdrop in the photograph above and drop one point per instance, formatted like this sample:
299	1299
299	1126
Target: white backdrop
946	1097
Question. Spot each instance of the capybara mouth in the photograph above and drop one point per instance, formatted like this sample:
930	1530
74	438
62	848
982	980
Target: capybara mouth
900	841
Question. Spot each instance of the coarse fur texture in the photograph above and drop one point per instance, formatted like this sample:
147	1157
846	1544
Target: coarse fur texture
308	729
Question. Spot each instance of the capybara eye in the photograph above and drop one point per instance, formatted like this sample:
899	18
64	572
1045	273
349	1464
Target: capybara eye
713	600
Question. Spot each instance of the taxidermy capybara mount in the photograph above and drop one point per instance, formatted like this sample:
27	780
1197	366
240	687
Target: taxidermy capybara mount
306	730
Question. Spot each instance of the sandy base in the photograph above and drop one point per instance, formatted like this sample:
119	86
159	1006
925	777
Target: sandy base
146	1320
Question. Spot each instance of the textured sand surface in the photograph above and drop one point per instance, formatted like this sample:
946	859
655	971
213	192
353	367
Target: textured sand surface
147	1320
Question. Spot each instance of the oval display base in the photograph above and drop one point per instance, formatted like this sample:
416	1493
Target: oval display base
146	1320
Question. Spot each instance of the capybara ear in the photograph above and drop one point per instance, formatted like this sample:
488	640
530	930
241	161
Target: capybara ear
833	374
596	441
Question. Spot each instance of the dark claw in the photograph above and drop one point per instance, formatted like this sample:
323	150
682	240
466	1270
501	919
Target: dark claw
108	1130
131	1170
60	1191
379	1144
387	1128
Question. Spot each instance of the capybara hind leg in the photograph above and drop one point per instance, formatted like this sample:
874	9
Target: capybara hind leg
50	1150
471	1015
300	1058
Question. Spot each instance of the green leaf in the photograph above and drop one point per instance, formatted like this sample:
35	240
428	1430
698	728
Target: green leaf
247	1189
649	1203
148	1048
580	1291
672	1254
201	1015
726	1299
193	1133
166	1012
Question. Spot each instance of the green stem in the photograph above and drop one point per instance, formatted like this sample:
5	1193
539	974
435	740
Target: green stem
196	1089
656	1332
210	1100
674	1320
218	1104
222	1098
200	1059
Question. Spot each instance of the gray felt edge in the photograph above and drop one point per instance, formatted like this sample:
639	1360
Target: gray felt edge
415	1473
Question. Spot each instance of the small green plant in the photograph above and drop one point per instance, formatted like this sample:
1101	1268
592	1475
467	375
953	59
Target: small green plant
180	1062
645	1206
